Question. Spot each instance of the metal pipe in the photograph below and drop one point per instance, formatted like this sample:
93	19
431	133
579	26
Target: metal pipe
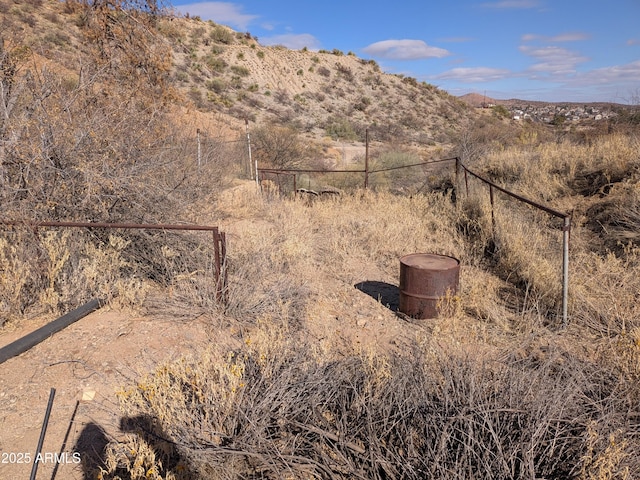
466	181
199	148
143	226
566	235
550	211
366	159
306	170
41	334
246	123
493	216
45	423
412	165
457	178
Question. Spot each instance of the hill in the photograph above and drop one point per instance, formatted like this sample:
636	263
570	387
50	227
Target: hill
232	72
215	69
303	366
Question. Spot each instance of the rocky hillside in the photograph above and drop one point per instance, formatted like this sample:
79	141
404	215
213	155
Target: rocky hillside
322	92
215	69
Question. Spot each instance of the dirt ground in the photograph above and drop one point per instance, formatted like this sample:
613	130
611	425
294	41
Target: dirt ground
87	362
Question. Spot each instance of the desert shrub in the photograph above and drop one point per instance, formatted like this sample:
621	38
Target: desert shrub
196	35
391	159
272	406
345	72
483	136
218	85
57	38
53	272
363	103
214	63
101	150
279	147
324	71
220	34
340	128
240	70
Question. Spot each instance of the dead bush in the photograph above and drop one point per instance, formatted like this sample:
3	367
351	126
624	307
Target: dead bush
272	409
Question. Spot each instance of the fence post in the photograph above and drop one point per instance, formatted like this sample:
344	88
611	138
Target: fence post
566	235
220	253
457	179
199	148
45	423
366	158
493	216
246	123
466	181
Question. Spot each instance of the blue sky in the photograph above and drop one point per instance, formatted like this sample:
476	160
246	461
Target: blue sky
550	50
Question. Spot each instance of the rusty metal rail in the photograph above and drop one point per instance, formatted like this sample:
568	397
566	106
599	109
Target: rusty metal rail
566	217
219	240
520	198
566	227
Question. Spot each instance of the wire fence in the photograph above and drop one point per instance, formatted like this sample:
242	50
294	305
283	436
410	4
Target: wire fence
426	175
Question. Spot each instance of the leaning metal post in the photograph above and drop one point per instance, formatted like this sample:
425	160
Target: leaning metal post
43	431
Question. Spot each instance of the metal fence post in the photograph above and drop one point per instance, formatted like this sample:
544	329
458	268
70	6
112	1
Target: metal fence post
457	179
466	181
566	235
493	216
246	123
199	148
366	159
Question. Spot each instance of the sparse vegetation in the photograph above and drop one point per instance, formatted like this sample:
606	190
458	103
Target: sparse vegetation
312	375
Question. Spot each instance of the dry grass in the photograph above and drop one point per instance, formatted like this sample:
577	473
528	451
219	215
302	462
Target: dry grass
490	389
273	408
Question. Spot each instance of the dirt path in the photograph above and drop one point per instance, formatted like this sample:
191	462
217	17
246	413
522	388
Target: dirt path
85	363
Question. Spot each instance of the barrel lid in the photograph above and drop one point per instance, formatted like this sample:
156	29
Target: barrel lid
429	261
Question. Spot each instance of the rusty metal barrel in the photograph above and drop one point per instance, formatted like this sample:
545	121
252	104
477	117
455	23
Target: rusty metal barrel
425	279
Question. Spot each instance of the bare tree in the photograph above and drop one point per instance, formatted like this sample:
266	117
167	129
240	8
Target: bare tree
279	147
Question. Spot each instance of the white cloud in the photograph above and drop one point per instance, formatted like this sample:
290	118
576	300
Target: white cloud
512	4
619	74
404	50
457	39
474	74
563	37
633	41
570	37
293	41
553	61
220	12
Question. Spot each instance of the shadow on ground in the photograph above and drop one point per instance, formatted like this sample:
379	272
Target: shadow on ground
91	446
93	442
385	293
